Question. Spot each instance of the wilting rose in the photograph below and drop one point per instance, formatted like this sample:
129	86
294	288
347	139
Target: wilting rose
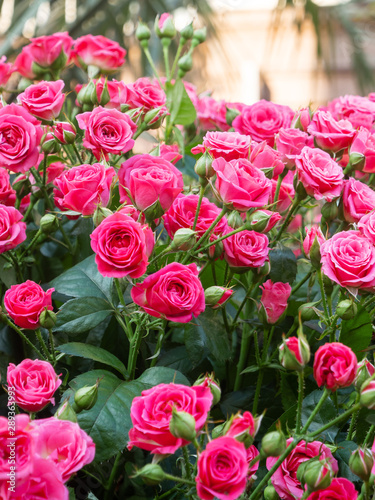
152	411
211	113
366	225
12	229
174	293
7	194
266	159
358	200
227	145
83	188
362	151
285	480
335	366
99	51
290	142
245	250
25	302
339	489
107	131
24	447
360	111
20	138
311	234
122	246
222	470
44	99
6	70
34	383
274	300
330	134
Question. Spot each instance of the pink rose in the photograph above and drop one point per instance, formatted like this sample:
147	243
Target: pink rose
363	146
83	188
294	354
240	185
174	293
290	142
64	443
117	90
312	234
339	489
147	95
264	218
329	133
335	366
152	411
274	301
44	100
122	246
6	70
320	175
24	447
263	120
107	131
366	225
34	383
302	119
25	302
170	152
242	425
358	200
20	136
7	194
227	145
246	249
213	301
64	132
286	193
99	51
266	159
251	453
212	114
360	111
222	470
285	480
146	180
12	230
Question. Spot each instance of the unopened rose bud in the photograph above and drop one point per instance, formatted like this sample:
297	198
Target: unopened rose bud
86	397
365	370
216	296
164	27
100	214
104	96
230	115
182	425
270	493
330	211
273	444
315	474
22	186
199	36
357	161
203	167
187	33
151	474
49	223
262	221
294	353
302	119
367	398
87	94
142	32
47	319
184	239
307	311
153	212
214	386
346	309
361	462
242	428
154	116
66	412
65	132
49	144
185	63
235	220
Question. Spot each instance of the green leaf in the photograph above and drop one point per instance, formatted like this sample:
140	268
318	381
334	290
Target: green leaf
179	104
84	280
356	333
345	449
92	352
177	359
109	422
326	413
283	265
82	314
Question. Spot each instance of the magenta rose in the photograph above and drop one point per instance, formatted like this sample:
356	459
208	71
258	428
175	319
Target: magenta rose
286	193
366	225
83	188
227	145
64	443
358	200
312	234
330	134
320	175
12	229
360	111
21	134
147	95
99	51
170	152
243	425
6	70
146	180
335	366
174	293
212	114
363	148
34	383
285	480
24	447
266	159
107	131
339	489
348	258
122	246
152	411
64	132
25	302
263	120
222	470
251	453
290	142
44	100
240	185
7	194
245	250
274	300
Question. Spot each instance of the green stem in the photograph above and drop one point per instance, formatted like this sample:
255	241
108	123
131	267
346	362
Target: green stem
166	61
151	63
353	421
23	336
67	151
323	293
324	396
174	65
133	352
187	462
42	343
110	486
16	265
257	390
303	281
300	400
119	292
77	154
157	348
278	186
179	479
368	436
247	296
65	237
235	231
31	244
33	200
45	169
126	327
52	345
245	344
201	194
287	219
335	421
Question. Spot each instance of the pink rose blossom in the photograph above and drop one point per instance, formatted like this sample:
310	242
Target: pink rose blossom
360	111
274	301
330	134
6	70
335	366
245	250
290	142
311	234
358	200
251	453
99	51
364	145
170	152
12	229
7	194
64	132
367	226
212	114
339	489
227	145
24	447
147	95
44	100
266	159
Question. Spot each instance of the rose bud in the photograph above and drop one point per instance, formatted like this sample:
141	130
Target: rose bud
66	412
47	319
100	214
315	474
367	398
365	370
210	382
49	223
187	33
273	444
142	32
270	493
184	239
346	309
185	63
330	211
216	296
151	474
182	425
86	397
49	144
243	428
307	311
311	245
235	220
274	301
361	462
203	167
294	353
65	132
302	119
263	220
200	35
86	95
164	27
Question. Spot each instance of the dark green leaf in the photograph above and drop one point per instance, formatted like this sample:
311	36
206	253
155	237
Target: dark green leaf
82	314
181	108
283	265
326	413
356	333
345	449
177	359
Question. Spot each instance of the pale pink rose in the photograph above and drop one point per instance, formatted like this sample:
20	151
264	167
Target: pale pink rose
6	70
24	447
64	443
44	100
174	293
348	258
335	366
286	193
222	470
320	175
7	194
274	300
290	142
285	480
364	145
366	225
12	229
211	114
34	383
245	250
99	51
360	111
240	184
170	152
227	145
358	200
152	411
330	134
266	159
312	234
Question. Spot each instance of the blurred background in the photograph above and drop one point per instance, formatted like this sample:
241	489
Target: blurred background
289	51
